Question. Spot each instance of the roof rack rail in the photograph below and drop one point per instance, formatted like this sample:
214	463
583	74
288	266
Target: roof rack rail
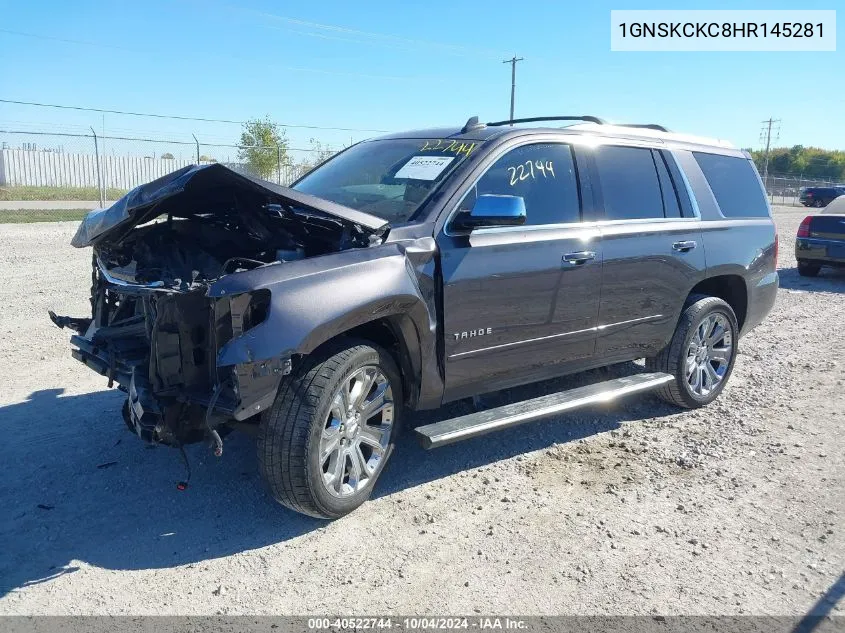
645	126
474	124
591	119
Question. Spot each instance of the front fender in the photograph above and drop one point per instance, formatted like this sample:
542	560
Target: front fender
314	300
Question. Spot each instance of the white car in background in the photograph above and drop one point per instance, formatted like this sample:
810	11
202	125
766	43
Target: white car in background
836	206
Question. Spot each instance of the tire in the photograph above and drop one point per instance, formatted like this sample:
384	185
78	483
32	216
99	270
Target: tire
819	204
676	357
807	269
307	417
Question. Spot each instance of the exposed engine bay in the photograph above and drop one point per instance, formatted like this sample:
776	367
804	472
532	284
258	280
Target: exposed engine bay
156	328
182	253
229	233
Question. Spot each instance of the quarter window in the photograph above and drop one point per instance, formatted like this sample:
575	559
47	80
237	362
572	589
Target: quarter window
734	184
543	174
629	184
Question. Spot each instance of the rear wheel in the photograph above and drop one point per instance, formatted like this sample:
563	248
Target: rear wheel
331	430
807	269
701	353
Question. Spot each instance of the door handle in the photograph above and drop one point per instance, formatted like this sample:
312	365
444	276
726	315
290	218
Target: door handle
684	246
579	258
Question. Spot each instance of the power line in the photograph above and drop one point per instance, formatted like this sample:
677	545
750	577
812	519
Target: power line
122	134
48	127
148	140
179	117
70	41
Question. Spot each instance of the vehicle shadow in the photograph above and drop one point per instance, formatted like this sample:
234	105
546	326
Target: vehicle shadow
412	465
829	280
820	612
76	486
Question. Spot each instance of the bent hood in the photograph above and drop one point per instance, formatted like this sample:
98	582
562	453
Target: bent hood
193	187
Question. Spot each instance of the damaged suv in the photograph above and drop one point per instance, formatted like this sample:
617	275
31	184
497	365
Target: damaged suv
417	269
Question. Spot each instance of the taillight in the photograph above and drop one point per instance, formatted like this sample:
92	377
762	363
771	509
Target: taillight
804	227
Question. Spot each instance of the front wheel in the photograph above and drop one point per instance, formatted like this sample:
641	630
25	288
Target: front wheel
701	353
331	429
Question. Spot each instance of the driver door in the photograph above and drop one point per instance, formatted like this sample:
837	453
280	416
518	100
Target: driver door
520	303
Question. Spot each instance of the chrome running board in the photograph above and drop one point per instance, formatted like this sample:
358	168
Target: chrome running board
483	422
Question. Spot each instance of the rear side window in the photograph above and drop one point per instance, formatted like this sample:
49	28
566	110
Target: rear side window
629	184
734	184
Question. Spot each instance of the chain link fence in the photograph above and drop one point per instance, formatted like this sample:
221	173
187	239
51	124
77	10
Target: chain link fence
784	189
58	176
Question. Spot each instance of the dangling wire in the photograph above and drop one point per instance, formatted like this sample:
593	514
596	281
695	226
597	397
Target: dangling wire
183	485
215	436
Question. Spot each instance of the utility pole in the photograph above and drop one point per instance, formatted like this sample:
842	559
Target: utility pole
767	132
512	61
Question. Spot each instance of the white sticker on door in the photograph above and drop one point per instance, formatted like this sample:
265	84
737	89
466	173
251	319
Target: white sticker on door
424	167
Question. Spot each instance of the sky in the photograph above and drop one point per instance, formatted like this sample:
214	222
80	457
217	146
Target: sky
388	65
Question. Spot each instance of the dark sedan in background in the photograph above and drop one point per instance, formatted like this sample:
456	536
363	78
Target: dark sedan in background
821	240
819	196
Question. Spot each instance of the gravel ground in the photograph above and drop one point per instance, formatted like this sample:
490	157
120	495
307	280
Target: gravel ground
637	509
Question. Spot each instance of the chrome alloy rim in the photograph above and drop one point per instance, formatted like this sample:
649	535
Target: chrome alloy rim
356	432
709	354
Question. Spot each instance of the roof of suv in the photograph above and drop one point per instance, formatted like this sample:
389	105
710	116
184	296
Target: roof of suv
474	131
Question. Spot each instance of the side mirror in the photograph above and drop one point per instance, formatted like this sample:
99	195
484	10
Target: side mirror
493	210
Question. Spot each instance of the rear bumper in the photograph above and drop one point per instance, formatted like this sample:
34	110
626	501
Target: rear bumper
822	251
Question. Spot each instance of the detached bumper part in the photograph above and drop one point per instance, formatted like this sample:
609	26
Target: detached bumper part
75	324
143	413
253	390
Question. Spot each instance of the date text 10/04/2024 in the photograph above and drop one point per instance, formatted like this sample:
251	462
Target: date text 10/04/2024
419	623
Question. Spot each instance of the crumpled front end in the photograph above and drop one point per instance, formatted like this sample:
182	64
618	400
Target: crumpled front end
161	348
159	329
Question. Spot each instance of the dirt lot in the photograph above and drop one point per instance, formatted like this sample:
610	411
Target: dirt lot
638	509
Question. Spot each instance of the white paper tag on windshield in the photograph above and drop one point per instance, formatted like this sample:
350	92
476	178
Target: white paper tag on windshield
424	167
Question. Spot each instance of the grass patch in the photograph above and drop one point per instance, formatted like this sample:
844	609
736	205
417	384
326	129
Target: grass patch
57	193
23	216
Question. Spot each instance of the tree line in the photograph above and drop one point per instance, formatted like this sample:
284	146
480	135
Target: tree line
806	162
